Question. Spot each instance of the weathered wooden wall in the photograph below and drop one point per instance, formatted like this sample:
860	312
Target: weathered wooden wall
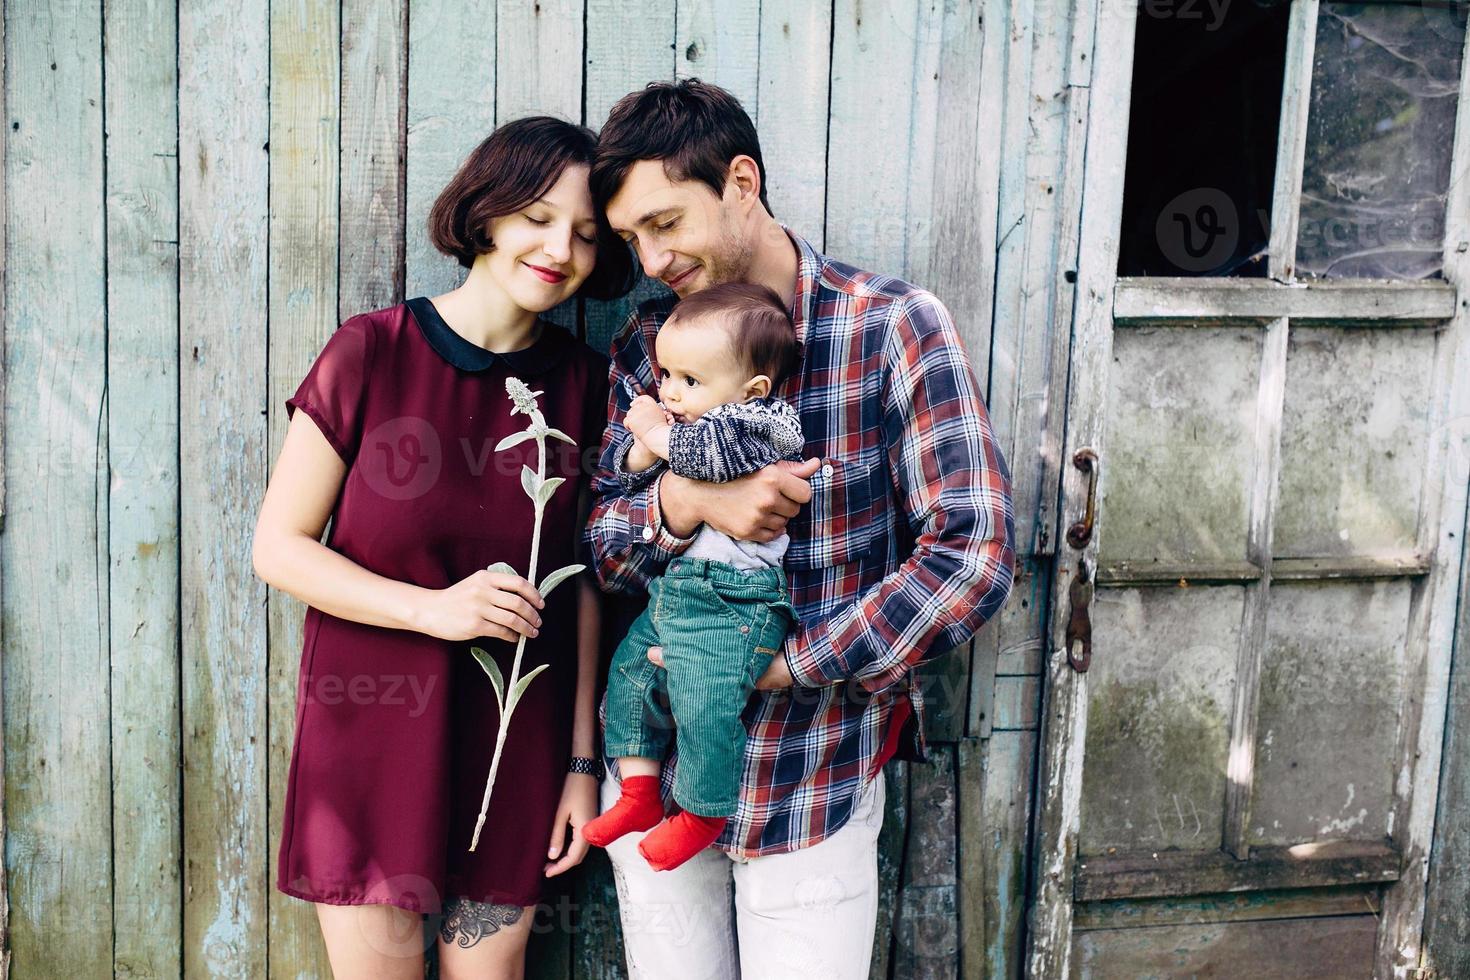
195	194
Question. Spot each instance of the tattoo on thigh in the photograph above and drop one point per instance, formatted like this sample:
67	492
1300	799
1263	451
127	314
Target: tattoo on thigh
467	922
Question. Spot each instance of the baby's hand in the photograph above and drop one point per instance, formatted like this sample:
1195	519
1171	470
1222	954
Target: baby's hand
644	414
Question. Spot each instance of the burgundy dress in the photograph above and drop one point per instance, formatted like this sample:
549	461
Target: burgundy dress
395	729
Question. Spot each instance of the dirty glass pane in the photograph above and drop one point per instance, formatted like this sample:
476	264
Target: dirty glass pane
1180	443
1327	728
1385	79
1354	438
1159	695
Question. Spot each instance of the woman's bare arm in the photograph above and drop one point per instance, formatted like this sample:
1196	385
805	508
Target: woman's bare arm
589	631
288	554
589	626
579	790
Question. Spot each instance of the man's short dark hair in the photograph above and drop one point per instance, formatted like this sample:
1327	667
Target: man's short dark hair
511	168
694	127
754	319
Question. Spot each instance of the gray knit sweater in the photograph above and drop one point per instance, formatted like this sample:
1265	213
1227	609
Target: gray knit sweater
726	442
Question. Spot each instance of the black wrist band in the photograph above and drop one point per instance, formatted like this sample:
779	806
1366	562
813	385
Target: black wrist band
586	766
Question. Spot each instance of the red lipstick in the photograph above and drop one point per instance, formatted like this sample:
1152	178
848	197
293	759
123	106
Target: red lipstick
546	275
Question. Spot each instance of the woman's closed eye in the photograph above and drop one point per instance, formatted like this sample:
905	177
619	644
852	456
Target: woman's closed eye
590	239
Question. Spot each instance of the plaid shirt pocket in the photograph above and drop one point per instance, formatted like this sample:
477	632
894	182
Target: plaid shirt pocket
849	510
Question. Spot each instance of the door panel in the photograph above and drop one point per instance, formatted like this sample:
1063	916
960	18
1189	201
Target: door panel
1158	719
1354	440
1181	443
1282	949
1332	688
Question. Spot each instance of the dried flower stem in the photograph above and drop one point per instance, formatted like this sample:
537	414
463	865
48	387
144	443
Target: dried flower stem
540	490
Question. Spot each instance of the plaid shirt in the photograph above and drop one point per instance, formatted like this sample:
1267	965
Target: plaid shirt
904	552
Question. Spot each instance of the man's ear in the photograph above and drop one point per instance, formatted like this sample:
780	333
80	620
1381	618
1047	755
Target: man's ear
758	386
746	177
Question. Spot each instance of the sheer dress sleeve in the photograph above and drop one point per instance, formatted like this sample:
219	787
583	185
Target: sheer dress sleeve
334	392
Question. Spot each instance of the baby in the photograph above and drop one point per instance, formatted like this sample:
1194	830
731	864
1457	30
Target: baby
721	610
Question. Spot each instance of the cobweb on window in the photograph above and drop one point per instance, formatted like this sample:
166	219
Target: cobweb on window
1385	79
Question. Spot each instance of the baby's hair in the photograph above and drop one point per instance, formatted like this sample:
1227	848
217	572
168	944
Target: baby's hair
754	319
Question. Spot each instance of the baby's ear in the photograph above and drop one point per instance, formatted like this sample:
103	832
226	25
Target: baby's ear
758	386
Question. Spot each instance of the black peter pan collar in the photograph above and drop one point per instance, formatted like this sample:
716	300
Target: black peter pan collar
540	357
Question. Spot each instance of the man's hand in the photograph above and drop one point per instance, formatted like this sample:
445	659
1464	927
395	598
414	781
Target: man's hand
644	414
776	678
754	507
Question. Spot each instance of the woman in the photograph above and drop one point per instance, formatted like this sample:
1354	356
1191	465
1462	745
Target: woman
392	434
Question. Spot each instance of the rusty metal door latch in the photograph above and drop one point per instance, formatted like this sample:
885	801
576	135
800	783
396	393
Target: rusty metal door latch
1079	623
1079	594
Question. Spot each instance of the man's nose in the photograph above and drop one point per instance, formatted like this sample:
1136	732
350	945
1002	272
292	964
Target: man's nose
656	262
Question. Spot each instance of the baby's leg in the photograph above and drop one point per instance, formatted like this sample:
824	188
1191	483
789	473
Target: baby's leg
638	808
730	633
633	765
639	727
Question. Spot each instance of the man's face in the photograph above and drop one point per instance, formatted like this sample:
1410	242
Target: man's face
682	233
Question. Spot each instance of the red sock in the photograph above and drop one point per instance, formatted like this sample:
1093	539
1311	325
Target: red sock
638	808
679	838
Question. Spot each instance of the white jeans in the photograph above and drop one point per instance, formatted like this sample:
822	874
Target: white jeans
807	914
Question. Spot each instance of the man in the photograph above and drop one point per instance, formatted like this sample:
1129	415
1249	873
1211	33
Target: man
901	546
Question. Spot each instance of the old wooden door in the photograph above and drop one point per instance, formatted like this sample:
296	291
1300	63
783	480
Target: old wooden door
1251	617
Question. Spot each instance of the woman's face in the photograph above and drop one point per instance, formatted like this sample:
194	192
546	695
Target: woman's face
545	251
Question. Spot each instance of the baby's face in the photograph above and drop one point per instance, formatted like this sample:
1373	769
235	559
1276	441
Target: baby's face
697	371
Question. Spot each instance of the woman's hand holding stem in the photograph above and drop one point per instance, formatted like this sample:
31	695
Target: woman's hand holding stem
485	603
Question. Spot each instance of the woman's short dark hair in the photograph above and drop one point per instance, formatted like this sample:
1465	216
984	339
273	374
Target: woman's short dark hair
761	334
511	168
694	127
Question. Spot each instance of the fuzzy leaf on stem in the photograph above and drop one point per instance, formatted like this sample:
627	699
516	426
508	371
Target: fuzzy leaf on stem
557	578
514	439
488	664
546	489
522	684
